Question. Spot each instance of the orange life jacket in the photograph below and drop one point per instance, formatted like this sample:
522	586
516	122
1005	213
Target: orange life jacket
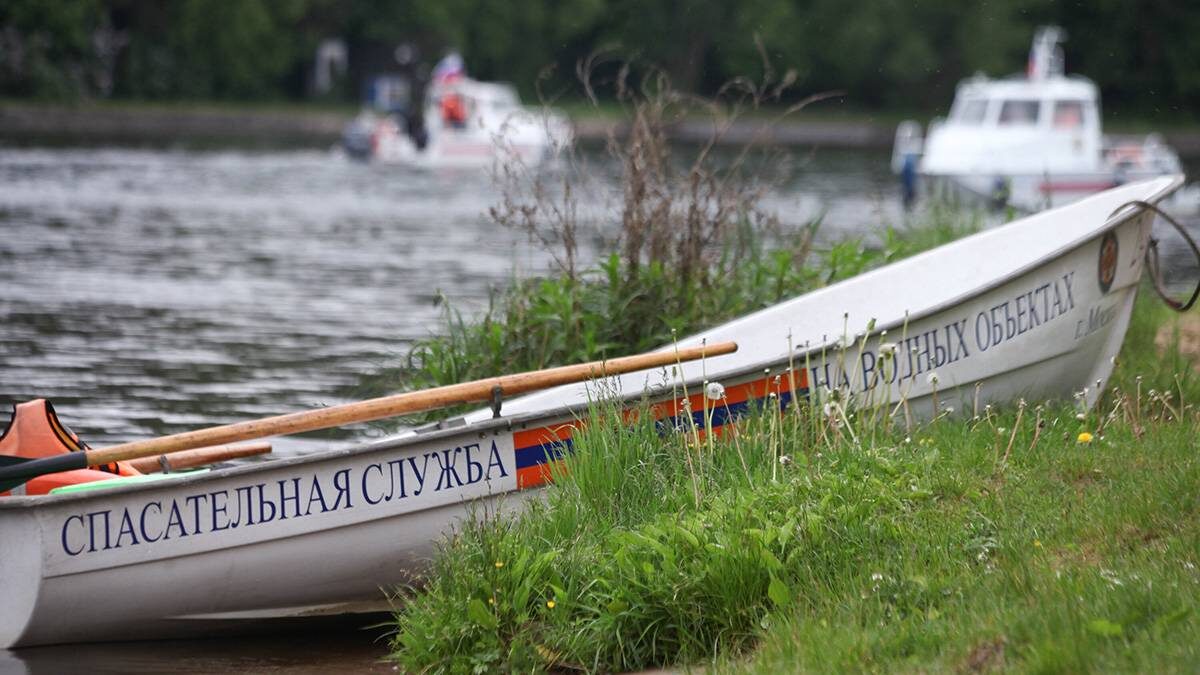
453	109
34	432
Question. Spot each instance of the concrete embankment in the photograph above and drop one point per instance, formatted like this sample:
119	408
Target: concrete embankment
100	123
105	123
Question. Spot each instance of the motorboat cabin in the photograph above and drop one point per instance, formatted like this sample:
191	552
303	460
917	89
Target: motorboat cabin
1029	141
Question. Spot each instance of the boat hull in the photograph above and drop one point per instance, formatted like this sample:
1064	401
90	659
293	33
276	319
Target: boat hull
274	538
1029	193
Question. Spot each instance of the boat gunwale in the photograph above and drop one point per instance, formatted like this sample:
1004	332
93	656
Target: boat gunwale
1120	216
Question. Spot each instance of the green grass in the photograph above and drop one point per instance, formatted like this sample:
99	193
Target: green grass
940	551
612	310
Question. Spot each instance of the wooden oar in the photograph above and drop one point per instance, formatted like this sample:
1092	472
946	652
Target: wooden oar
189	459
16	470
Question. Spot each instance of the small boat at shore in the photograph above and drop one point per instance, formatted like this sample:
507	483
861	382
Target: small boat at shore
1029	141
1035	309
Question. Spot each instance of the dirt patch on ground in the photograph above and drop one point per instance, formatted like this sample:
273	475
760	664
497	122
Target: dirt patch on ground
985	657
1188	327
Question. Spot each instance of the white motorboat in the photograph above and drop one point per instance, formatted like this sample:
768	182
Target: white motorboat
1028	141
1036	309
467	124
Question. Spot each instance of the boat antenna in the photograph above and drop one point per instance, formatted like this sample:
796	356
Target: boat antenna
1046	56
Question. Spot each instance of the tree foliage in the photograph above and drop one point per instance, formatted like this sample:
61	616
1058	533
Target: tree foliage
882	53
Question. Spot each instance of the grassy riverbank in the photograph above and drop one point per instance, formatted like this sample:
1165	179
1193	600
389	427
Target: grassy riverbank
1039	537
1012	540
617	308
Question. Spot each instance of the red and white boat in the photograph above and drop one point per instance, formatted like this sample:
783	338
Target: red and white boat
1036	309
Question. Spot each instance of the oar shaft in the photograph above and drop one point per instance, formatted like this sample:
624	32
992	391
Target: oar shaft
400	404
187	459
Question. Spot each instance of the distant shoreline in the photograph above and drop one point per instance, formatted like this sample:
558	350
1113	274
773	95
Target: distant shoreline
298	126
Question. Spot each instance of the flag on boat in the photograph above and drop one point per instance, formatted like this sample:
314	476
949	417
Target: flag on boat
449	69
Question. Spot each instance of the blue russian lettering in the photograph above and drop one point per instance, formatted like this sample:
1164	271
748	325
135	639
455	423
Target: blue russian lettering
494	460
343	489
245	503
65	538
194	501
142	522
92	531
984	340
448	470
315	495
263	503
1067	279
959	339
940	354
419	474
366	472
222	508
284	498
126	528
474	468
174	519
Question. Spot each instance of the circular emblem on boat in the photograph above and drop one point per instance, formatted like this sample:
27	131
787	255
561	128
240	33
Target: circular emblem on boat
1107	269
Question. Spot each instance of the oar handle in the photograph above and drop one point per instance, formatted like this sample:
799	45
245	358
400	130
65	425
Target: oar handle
187	459
401	404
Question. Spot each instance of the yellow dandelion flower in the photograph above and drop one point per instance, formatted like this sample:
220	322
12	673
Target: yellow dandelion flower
1084	437
499	564
491	601
1037	543
550	604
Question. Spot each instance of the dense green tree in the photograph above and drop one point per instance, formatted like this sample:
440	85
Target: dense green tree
883	53
46	47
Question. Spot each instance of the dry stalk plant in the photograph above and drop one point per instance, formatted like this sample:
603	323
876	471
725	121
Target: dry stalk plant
684	208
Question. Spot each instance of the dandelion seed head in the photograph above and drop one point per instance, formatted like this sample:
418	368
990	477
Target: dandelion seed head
932	378
714	391
785	460
1081	416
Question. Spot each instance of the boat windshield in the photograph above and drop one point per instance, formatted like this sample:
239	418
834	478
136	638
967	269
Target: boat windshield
1068	114
971	111
1019	113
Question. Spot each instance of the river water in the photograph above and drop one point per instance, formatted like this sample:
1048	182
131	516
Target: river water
147	292
152	291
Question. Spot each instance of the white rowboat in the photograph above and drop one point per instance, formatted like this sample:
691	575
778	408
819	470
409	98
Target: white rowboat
1035	309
